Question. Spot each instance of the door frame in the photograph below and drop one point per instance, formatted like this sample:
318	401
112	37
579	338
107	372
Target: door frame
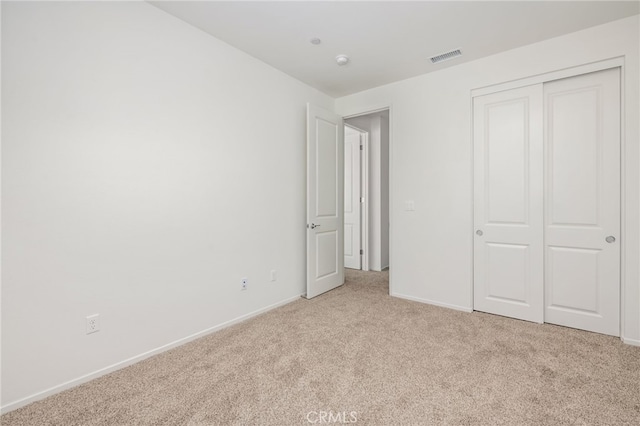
364	192
617	62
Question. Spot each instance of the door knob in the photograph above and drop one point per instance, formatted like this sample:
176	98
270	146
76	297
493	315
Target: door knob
610	239
314	226
479	233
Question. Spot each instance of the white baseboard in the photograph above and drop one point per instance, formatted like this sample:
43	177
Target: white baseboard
632	342
432	302
625	340
130	361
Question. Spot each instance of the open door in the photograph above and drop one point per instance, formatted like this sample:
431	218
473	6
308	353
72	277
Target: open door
352	199
325	201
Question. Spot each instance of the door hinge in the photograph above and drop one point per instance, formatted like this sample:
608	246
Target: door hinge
362	199
361	147
361	251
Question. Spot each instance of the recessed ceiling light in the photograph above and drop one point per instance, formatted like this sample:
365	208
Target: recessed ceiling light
342	60
315	41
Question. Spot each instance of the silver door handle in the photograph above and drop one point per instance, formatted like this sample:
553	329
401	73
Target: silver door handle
314	226
610	239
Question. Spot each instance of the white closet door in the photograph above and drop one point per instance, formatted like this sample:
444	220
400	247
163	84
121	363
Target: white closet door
508	210
582	180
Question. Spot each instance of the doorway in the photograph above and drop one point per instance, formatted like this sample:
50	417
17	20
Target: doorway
367	191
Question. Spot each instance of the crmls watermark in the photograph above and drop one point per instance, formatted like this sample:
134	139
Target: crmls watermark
326	417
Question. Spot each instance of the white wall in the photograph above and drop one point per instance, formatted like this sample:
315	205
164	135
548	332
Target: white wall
431	158
377	126
147	167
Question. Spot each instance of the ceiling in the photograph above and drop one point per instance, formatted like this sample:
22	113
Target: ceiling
386	41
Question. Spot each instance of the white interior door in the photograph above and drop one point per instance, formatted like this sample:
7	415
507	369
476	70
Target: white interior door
325	199
508	210
352	199
582	169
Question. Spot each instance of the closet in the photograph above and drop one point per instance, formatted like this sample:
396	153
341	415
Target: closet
547	202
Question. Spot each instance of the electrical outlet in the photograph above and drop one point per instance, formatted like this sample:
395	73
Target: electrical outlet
93	323
244	283
274	275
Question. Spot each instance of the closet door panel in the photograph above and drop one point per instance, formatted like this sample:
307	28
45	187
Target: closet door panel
582	202
508	260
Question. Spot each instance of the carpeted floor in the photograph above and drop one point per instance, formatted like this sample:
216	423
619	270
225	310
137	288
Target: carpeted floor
356	354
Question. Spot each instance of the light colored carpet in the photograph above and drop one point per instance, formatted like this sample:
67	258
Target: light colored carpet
358	352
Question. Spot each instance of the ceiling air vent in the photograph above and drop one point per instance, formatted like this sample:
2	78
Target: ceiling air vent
446	56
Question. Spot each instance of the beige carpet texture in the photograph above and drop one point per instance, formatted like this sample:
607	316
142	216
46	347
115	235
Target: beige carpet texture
355	355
